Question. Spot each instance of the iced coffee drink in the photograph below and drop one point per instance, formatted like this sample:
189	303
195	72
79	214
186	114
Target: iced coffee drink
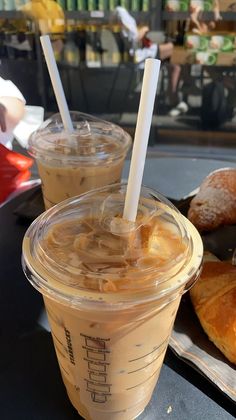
111	290
70	164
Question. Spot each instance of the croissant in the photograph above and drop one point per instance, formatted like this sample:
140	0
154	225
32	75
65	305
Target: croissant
215	203
214	300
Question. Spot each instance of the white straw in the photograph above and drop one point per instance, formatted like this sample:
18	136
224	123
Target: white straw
148	93
56	82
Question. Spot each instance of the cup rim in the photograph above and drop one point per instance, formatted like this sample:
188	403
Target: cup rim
38	149
76	297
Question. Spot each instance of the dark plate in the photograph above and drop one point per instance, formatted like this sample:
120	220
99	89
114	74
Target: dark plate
188	340
31	207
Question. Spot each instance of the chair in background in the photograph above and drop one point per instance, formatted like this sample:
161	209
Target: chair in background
127	75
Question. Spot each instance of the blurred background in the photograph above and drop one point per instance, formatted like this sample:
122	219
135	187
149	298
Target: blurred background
101	64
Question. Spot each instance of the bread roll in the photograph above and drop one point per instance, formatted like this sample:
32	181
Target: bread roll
214	300
215	203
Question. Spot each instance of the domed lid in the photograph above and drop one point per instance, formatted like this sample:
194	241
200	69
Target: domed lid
82	249
93	139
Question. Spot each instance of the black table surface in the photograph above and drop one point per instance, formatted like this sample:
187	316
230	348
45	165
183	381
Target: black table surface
30	384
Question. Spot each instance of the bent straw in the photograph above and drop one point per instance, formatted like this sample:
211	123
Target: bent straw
148	93
56	83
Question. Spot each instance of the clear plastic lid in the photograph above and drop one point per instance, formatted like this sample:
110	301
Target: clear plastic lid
82	248
93	139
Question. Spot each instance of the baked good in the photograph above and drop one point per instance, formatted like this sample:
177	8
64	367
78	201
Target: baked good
215	203
214	300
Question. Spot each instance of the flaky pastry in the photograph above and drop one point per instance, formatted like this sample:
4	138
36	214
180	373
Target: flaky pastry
215	203
214	300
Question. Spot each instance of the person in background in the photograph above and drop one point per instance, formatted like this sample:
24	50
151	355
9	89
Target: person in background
12	109
196	25
141	47
50	19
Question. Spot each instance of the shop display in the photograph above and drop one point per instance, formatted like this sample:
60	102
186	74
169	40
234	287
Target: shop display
197	42
188	5
84	43
177	5
86	5
204	5
201	5
205	58
208	48
223	43
213	42
17	40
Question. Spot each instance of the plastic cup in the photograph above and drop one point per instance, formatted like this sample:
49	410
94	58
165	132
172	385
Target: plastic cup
111	291
71	164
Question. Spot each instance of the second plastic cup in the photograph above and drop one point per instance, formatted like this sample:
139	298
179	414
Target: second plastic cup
111	291
71	164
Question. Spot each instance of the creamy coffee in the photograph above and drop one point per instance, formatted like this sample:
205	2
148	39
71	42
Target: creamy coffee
71	164
111	291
